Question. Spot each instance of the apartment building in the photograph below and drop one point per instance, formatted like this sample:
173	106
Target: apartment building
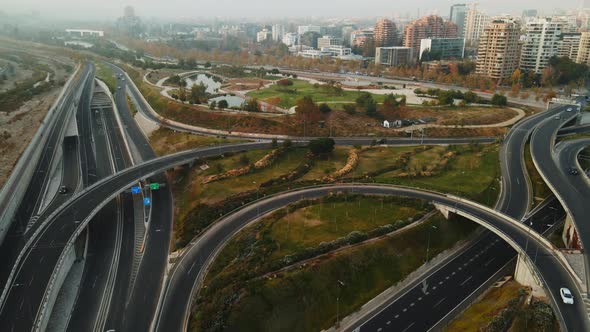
475	23
498	51
541	42
427	27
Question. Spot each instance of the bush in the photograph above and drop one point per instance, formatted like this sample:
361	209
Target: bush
499	100
321	145
285	82
349	109
222	104
470	97
325	108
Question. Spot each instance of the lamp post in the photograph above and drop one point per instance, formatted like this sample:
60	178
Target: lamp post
428	245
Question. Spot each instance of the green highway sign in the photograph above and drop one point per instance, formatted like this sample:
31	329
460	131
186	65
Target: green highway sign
154	186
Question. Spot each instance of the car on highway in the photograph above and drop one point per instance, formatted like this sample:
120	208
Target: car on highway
63	190
557	117
566	296
574	171
569	110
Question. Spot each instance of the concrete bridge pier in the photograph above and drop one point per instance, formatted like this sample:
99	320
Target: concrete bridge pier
570	234
524	273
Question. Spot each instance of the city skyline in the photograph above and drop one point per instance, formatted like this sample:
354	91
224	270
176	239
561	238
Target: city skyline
108	9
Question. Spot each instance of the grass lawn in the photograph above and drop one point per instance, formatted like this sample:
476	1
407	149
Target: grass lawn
379	158
324	165
304	300
468	174
540	189
166	141
300	88
107	75
315	224
479	314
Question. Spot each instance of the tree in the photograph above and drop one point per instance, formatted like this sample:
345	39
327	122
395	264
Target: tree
321	145
325	108
499	100
446	98
516	77
307	110
198	93
251	105
213	105
390	102
222	104
285	82
371	107
470	97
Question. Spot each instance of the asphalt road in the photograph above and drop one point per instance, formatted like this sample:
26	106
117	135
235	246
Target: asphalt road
137	310
176	308
558	178
16	238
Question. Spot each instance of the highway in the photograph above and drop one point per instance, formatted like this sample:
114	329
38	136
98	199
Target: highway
17	237
188	272
557	176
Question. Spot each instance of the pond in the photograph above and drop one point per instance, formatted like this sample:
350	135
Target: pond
208	80
232	101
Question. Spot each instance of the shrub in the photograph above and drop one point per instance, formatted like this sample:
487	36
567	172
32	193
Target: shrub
499	100
325	108
321	145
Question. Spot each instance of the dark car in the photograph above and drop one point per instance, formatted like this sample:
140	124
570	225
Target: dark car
574	171
63	190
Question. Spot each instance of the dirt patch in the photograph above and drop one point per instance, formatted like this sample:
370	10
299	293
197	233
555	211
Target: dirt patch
245	84
18	128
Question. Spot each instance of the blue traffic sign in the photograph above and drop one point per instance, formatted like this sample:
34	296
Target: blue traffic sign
136	190
147	201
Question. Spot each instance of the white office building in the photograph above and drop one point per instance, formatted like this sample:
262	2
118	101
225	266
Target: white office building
542	41
85	33
302	29
290	39
263	35
475	23
278	31
329	41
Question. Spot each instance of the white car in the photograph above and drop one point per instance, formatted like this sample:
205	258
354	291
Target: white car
569	110
566	296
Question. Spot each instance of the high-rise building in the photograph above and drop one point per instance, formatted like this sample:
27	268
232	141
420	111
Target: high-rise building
278	31
569	46
329	41
427	27
442	48
394	56
542	40
498	51
457	16
475	23
385	33
290	39
584	48
263	35
129	11
359	37
529	13
302	29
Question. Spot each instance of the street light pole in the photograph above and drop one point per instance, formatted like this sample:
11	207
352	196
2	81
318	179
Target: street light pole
428	245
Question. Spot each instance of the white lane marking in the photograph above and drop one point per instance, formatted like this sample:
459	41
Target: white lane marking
412	304
396	316
488	262
466	280
388	322
407	328
420	298
439	302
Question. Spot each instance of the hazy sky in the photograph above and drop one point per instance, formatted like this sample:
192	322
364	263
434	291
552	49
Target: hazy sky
267	8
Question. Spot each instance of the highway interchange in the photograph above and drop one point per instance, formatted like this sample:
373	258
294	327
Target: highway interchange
131	289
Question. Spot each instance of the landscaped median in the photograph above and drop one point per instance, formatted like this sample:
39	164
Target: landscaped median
284	272
280	272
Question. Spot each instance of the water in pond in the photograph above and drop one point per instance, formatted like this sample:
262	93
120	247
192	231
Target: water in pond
211	84
232	101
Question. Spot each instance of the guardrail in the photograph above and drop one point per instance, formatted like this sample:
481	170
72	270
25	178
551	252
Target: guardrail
16	185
